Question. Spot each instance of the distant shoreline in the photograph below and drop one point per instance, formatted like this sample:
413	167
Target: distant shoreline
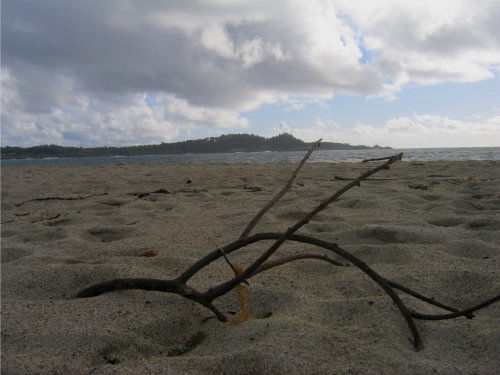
322	155
69	156
230	143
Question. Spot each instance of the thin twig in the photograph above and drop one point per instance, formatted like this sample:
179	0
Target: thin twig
465	312
22	214
236	271
280	261
45	218
59	199
377	159
421	297
275	199
283	191
142	194
339	178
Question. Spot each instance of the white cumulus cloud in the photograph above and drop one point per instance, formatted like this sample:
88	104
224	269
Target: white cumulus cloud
87	65
406	132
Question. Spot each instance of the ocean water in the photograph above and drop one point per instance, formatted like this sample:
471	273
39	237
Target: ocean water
329	156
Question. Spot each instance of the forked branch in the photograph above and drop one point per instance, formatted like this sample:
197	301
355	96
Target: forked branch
222	289
179	285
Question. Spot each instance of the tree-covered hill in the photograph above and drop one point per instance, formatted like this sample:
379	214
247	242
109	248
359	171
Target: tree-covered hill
223	144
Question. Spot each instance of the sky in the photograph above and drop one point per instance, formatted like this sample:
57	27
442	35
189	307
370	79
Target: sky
406	73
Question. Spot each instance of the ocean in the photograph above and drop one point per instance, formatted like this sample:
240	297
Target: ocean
328	156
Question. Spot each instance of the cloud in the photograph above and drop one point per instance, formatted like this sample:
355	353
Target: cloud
406	132
82	121
75	62
231	56
428	42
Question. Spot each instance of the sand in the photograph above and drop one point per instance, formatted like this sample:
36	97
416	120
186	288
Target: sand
431	226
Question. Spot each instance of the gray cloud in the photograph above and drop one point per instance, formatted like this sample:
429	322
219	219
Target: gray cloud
93	60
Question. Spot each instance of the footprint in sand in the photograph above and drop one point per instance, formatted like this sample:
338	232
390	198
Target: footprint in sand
290	215
446	221
395	235
42	235
59	222
357	203
468	282
112	202
483	224
387	235
473	249
431	197
11	253
386	254
323	227
468	205
108	234
297	215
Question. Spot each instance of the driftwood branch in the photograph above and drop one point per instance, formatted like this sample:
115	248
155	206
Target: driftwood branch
222	289
169	286
283	191
179	285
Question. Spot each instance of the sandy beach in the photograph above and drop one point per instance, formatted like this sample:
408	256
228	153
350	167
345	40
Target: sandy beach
431	226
